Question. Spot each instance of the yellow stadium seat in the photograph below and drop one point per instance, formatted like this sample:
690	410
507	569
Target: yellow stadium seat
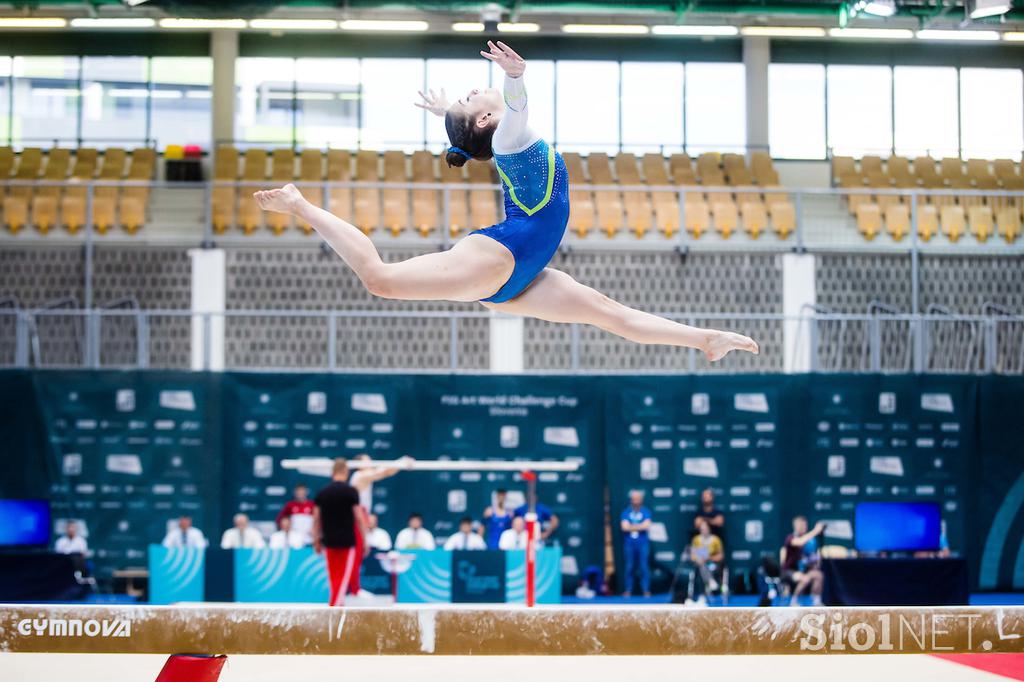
626	169
311	170
854	200
103	214
725	216
15	213
133	213
395	201
654	169
425	202
249	215
639	219
897	221
574	168
1005	168
282	171
843	166
1008	222
698	217
666	213
682	169
609	211
951	168
582	212
755	216
869	220
871	165
458	199
225	163
924	169
6	162
709	163
339	199
600	169
86	160
783	215
978	171
953	223
366	211
223	208
898	168
763	170
927	221
44	212
979	218
877	180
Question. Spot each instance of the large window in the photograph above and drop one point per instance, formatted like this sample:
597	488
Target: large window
652	106
46	97
115	94
587	109
389	120
5	100
860	110
716	108
992	113
327	103
796	111
925	106
458	77
263	109
180	101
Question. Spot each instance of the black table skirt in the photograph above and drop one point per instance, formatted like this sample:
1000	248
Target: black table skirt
895	582
38	576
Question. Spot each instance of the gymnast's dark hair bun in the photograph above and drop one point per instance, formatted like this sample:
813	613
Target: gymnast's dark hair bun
455	159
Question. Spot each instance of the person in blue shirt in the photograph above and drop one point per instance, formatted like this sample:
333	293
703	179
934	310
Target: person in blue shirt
636	522
497	519
547	519
503	266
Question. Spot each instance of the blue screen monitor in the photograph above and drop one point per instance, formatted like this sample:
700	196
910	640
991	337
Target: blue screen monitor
897	526
24	523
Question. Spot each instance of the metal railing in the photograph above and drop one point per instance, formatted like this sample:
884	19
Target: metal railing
127	337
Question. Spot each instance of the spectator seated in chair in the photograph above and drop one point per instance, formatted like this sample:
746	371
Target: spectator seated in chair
799	561
708	557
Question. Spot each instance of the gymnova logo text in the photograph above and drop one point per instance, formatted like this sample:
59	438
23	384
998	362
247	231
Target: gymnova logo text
74	627
932	632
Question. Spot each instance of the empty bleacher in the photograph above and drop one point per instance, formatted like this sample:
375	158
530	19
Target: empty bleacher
940	209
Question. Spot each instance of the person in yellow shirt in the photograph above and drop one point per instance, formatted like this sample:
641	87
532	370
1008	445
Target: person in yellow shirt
707	555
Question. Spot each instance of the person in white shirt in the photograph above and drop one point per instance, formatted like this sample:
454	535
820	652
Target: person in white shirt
515	537
185	535
465	538
242	536
286	537
71	542
415	536
377	537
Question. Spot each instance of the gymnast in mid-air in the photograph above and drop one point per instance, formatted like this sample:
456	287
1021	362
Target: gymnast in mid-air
503	266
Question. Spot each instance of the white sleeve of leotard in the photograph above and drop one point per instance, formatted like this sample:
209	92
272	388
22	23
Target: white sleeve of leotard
513	133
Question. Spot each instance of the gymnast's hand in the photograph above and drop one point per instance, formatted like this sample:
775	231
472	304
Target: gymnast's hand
506	58
436	104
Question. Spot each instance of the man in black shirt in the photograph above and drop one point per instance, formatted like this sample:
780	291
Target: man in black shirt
710	513
336	521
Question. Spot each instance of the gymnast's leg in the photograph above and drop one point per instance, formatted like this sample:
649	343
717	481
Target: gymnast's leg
474	268
556	297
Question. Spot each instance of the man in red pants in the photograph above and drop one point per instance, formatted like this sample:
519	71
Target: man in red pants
338	531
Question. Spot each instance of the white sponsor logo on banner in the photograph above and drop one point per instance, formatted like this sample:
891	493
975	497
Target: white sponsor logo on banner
887	402
887	466
178	400
74	627
836	466
649	468
124	400
508	436
316	402
705	467
566	436
124	464
700	403
369	402
937	402
750	402
753	531
457	501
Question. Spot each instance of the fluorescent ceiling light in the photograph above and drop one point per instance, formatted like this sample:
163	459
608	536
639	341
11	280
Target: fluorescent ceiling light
988	8
880	8
56	92
371	25
142	93
199	94
931	34
312	96
614	29
124	22
872	33
519	27
694	30
33	22
784	31
294	24
468	26
202	23
1014	36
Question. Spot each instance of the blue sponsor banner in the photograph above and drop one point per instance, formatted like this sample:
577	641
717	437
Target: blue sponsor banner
280	575
549	576
429	578
478	577
176	574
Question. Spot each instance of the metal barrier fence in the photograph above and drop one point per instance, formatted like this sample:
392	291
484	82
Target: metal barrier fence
132	338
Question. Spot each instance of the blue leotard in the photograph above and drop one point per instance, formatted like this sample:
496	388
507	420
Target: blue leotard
536	188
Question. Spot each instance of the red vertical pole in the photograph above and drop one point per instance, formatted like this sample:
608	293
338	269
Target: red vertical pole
531	538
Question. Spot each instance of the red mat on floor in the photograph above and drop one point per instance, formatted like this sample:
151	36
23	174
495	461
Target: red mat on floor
1008	665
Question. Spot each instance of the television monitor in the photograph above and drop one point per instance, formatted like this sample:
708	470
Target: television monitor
897	526
24	523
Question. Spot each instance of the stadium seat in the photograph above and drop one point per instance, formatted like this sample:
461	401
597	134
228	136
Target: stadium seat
952	221
638	205
898	168
763	170
869	220
924	169
47	197
843	167
698	217
1008	223
725	215
897	221
6	162
19	198
311	170
282	171
458	199
15	213
978	171
783	215
626	169
425	202
854	200
755	216
966	200
610	207
339	199
225	168
136	191
86	162
366	214
952	169
927	221
666	213
979	219
1005	169
582	212
395	201
254	170
483	205
682	169
871	165
877	180
654	169
709	163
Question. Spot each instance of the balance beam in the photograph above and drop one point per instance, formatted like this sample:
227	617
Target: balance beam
489	630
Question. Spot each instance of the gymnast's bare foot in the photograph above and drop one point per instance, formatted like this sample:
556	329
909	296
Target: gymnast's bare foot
284	200
721	344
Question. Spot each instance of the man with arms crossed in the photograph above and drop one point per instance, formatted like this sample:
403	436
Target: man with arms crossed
338	530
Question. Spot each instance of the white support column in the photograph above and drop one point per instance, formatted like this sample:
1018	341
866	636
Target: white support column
209	294
756	58
224	51
506	344
797	292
